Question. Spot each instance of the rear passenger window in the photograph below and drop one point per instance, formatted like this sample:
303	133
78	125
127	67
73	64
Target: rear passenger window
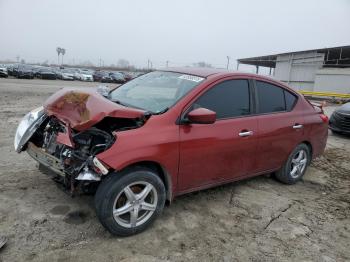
290	100
228	99
270	98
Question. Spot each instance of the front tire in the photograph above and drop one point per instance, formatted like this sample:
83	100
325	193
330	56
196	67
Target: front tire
294	169
128	202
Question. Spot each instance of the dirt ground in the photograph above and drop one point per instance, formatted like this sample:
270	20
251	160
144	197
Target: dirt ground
253	220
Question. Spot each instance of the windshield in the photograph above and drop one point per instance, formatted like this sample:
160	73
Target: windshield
155	91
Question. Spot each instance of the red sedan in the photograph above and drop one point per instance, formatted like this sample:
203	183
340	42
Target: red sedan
171	132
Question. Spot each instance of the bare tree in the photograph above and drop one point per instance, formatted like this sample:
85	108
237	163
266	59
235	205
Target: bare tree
202	64
123	63
58	50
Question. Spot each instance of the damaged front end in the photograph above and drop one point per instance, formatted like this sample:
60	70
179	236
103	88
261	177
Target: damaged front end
67	135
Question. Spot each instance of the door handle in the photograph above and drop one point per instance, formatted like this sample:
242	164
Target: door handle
245	133
298	126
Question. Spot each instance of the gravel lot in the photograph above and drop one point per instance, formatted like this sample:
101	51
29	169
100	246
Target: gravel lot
253	220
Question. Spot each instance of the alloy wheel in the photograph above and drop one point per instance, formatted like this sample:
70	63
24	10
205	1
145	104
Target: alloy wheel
298	163
135	204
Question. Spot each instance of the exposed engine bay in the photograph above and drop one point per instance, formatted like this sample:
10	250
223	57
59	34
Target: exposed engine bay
69	155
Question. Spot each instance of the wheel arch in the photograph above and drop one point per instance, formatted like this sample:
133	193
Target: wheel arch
309	145
160	171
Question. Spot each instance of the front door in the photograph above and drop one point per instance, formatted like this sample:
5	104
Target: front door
214	153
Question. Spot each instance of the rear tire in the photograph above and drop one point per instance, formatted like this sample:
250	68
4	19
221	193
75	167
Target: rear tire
294	169
128	202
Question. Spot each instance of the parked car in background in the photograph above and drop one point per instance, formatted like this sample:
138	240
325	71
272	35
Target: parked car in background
36	70
57	71
66	74
106	78
340	120
10	69
97	75
117	77
25	71
15	71
168	133
127	76
46	73
3	71
76	74
84	75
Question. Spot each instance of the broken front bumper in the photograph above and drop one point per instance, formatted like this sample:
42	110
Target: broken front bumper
49	161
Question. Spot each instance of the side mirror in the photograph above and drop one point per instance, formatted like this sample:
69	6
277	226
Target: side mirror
201	116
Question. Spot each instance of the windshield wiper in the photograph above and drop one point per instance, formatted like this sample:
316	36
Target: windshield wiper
126	105
160	112
119	103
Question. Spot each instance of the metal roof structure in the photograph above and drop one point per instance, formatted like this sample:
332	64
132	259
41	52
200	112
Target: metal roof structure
333	57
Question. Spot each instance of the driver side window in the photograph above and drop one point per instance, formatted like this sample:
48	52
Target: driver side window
228	99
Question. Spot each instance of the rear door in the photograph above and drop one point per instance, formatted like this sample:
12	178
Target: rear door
280	125
213	153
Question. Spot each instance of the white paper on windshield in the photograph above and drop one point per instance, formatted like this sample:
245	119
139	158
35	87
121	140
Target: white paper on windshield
191	78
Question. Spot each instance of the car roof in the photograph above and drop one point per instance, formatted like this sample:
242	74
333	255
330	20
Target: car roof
197	71
214	72
206	72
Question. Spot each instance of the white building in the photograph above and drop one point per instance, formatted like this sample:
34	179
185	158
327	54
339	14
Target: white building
323	70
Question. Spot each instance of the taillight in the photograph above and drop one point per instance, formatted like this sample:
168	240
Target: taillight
324	118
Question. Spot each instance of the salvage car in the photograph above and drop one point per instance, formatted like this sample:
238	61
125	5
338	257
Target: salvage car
117	77
106	78
25	72
127	76
97	75
45	73
340	120
84	75
66	74
3	71
167	133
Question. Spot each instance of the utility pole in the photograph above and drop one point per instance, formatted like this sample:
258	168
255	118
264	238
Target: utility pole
17	57
228	62
63	52
58	50
167	63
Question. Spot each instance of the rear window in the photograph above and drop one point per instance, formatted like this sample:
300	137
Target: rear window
290	100
272	98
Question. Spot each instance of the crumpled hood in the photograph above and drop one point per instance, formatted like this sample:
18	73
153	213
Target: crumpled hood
81	108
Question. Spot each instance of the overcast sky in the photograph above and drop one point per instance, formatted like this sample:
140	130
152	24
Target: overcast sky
180	31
